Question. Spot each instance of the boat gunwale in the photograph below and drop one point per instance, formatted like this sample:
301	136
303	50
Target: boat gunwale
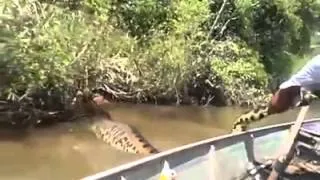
258	132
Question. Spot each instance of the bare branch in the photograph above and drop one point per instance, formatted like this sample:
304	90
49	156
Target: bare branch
209	83
177	96
224	27
83	50
214	25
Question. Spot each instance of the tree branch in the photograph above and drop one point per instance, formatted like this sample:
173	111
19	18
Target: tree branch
213	27
224	27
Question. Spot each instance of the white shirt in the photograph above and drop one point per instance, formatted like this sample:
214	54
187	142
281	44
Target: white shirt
308	77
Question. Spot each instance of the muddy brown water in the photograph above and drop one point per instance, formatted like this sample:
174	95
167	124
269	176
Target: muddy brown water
68	151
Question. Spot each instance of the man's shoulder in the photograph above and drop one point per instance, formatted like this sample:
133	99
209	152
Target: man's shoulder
314	62
316	59
307	75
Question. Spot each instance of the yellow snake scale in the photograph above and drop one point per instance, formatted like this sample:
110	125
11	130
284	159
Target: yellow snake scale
257	114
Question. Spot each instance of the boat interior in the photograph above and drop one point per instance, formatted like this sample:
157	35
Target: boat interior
305	163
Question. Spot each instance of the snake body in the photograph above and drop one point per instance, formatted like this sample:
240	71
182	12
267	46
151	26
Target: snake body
116	134
262	111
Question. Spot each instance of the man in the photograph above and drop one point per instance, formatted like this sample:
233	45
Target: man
308	78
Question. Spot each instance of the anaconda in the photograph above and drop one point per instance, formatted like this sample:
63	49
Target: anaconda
116	134
262	111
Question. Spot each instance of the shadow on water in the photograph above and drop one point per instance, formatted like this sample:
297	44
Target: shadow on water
68	151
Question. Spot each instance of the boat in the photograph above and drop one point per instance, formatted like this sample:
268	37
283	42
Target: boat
227	157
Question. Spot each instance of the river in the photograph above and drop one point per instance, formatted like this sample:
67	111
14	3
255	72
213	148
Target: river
67	151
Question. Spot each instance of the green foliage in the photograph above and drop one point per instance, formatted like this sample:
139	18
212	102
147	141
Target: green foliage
142	18
146	49
242	75
50	47
191	14
299	61
246	67
277	27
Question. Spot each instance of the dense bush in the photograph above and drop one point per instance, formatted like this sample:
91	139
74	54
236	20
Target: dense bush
214	52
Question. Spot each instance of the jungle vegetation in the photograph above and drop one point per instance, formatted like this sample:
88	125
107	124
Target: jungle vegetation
217	52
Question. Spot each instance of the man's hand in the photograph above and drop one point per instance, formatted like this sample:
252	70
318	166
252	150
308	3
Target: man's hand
283	99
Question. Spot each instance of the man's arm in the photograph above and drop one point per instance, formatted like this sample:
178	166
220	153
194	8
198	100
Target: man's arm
283	99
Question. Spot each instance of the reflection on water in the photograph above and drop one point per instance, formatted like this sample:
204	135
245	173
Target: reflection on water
68	151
